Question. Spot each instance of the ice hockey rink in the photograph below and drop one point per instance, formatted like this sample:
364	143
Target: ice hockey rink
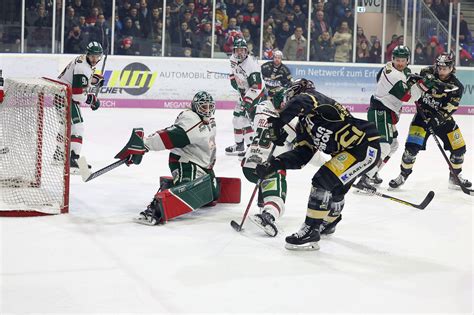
385	257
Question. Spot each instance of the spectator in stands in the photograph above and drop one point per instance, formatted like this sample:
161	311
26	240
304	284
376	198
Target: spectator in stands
84	27
300	17
361	36
99	30
433	50
342	40
340	12
251	20
465	58
235	7
320	25
268	35
465	36
118	26
124	9
376	52
240	21
420	56
145	18
202	37
71	19
192	22
75	41
92	17
290	18
42	19
126	47
282	34
187	36
396	40
229	39
204	10
221	15
267	50
362	53
348	17
279	12
130	29
296	46
324	48
80	8
441	11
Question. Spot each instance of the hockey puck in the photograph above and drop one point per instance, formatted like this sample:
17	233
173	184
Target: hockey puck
4	150
235	226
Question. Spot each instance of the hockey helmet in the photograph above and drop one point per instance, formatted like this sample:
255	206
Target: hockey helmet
401	51
445	59
279	99
203	104
94	48
297	87
238	53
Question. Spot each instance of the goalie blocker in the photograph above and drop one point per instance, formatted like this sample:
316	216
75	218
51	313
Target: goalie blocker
175	201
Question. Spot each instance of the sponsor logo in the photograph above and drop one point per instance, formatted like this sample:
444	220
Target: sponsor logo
134	79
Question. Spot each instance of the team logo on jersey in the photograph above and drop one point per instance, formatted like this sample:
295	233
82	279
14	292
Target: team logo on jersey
134	79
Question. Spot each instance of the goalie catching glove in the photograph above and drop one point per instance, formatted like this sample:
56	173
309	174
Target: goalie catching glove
134	149
93	101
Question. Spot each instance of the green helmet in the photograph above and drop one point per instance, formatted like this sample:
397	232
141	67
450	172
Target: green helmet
240	43
203	104
401	51
279	99
94	48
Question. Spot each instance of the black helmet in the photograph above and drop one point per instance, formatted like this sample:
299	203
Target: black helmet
445	59
299	86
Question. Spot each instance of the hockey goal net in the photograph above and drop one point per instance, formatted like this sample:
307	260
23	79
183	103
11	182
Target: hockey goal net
34	147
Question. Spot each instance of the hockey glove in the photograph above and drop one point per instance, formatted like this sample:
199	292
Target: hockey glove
98	80
134	149
269	168
275	131
427	83
93	101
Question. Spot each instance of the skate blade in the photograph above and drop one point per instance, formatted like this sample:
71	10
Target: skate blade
268	229
236	153
145	221
304	247
454	187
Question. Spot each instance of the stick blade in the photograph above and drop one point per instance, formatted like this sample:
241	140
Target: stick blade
84	168
235	226
427	200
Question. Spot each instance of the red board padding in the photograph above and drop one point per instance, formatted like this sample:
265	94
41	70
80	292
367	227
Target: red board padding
172	205
230	189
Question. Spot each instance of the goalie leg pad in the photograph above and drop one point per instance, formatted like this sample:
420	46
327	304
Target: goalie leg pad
184	198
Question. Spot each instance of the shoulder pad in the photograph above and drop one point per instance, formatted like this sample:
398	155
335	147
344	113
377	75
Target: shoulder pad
187	119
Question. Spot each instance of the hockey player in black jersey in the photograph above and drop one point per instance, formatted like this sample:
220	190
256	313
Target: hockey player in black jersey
276	74
438	107
323	125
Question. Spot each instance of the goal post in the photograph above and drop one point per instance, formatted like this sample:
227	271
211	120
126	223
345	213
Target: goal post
35	127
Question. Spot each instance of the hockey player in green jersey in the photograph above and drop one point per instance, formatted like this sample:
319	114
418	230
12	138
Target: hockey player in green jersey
192	144
79	73
394	86
246	79
438	106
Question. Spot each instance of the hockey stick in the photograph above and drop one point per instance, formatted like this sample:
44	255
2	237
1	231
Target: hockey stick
87	175
220	73
420	206
234	224
451	169
447	86
105	57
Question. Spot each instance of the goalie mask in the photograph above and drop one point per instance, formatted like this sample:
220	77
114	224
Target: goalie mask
240	50
94	53
203	104
297	87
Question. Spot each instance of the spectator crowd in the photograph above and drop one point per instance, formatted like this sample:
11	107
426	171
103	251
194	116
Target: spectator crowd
187	32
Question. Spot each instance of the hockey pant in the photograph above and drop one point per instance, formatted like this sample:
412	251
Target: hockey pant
449	133
273	190
334	179
384	120
242	125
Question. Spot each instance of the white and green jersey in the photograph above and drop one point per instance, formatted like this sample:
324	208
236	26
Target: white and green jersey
78	73
260	148
244	75
392	89
190	140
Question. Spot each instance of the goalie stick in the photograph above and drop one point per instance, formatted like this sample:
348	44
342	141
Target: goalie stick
451	169
87	175
420	206
235	225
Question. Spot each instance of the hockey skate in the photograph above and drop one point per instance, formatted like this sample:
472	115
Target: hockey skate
329	228
266	222
365	184
377	180
74	167
397	182
453	184
306	238
150	216
235	149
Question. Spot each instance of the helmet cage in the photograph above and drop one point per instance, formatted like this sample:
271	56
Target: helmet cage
203	104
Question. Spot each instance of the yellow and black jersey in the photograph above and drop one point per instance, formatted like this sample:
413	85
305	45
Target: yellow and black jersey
440	103
323	125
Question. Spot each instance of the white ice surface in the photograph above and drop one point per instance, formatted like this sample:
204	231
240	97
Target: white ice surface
385	257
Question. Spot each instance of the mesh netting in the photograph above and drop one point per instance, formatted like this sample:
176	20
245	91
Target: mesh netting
33	145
